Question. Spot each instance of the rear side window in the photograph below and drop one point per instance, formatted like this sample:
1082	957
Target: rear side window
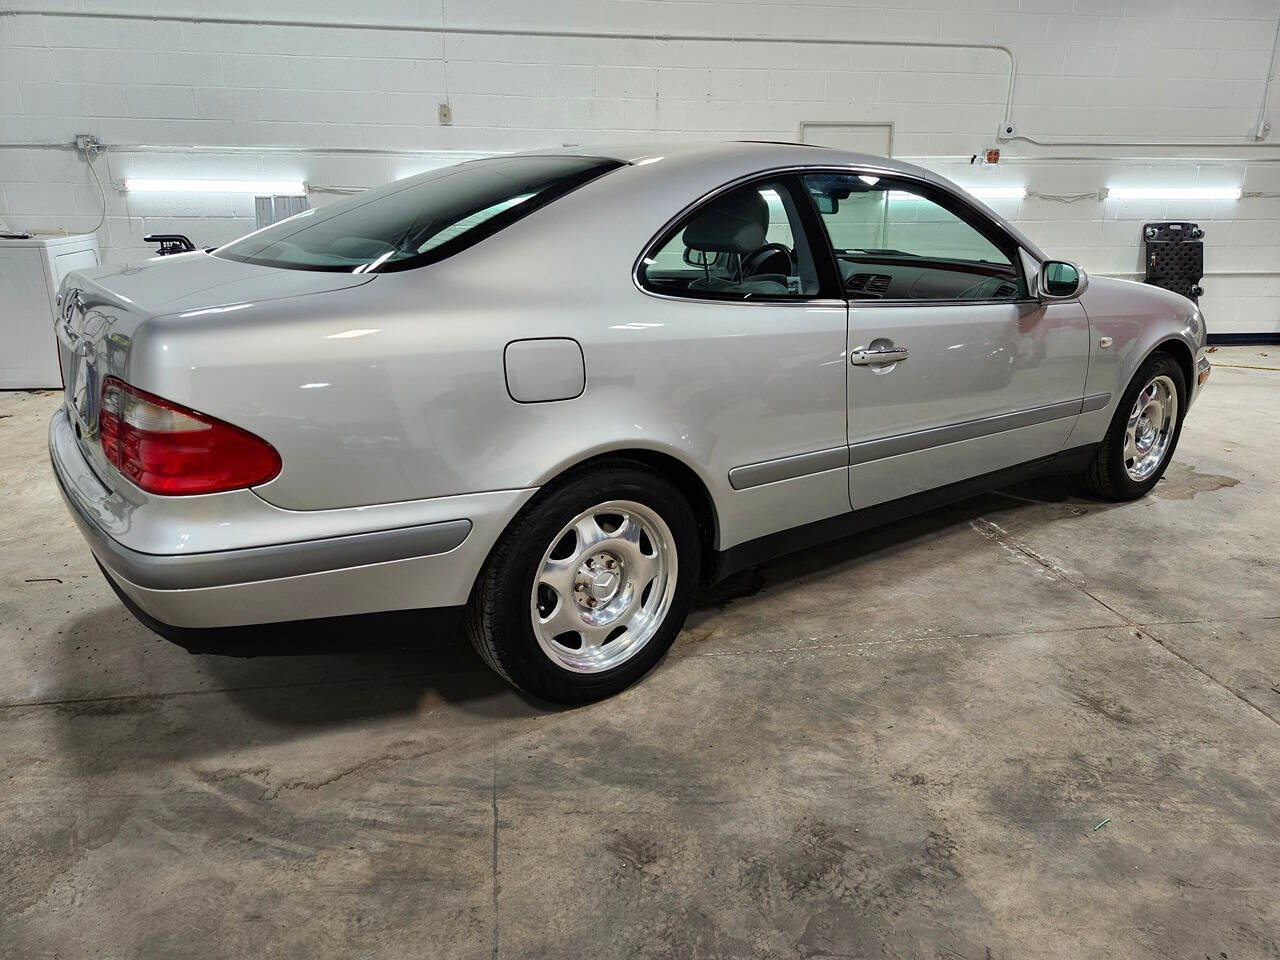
417	221
748	243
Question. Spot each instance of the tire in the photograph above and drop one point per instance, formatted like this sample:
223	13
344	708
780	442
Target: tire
589	585
1122	468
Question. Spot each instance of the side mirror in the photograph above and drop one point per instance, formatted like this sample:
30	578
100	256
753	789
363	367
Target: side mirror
1061	280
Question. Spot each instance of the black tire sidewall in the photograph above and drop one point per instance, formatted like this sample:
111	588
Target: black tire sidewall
520	550
1160	365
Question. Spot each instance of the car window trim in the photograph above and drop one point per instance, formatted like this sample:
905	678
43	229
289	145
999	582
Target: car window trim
987	228
872	302
861	169
830	292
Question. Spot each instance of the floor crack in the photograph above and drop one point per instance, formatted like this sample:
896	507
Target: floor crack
996	533
1238	694
494	801
366	764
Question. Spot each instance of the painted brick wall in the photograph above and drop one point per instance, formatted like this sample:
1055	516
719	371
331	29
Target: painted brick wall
1151	69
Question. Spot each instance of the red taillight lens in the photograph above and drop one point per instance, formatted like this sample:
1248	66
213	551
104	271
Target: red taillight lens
168	449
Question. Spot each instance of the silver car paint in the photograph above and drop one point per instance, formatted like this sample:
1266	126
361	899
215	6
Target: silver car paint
237	532
1136	318
388	398
967	363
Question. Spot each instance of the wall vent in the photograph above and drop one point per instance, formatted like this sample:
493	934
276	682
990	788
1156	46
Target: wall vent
272	209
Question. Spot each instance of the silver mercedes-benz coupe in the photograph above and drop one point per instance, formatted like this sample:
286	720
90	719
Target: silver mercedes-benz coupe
554	393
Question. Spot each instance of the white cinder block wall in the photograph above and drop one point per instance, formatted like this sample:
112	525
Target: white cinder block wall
345	107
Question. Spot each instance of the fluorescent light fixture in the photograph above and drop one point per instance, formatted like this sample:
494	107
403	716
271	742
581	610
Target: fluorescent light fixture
258	188
1173	193
351	334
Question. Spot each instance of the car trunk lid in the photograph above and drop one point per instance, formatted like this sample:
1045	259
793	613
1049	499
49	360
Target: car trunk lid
103	312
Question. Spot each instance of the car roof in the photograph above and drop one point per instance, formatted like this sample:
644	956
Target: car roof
740	157
767	151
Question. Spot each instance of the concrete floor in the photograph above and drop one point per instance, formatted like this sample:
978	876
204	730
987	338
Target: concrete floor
898	746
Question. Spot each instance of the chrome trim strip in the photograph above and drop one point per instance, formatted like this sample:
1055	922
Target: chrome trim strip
918	440
1095	402
922	179
788	468
780	302
869	304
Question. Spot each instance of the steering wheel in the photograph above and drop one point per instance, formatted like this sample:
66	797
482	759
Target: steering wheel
754	261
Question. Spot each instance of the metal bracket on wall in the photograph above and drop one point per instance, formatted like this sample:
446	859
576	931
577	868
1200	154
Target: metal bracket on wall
1175	256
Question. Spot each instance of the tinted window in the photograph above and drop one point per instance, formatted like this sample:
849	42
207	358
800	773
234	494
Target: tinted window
745	244
893	241
420	220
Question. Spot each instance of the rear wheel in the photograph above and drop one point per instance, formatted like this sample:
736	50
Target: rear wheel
589	586
1143	434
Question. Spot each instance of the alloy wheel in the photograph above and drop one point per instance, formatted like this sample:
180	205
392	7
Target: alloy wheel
1149	431
604	586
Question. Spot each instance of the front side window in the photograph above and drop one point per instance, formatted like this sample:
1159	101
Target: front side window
417	221
893	241
745	244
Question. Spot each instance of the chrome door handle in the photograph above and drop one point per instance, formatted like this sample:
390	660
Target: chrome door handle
878	355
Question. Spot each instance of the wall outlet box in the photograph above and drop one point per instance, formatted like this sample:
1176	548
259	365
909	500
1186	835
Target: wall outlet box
1007	130
87	143
446	114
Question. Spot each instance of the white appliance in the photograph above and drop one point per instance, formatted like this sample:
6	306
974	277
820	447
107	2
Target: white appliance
30	272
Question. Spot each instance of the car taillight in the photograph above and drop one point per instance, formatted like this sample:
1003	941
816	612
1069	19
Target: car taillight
168	449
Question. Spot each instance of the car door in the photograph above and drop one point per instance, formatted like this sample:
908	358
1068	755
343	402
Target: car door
954	370
754	334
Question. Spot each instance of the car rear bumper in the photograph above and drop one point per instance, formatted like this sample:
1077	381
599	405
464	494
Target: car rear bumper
411	566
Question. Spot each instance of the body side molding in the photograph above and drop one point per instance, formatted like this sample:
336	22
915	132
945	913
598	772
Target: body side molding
819	461
788	468
753	552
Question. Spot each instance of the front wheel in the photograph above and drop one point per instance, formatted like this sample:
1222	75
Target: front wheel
589	586
1143	434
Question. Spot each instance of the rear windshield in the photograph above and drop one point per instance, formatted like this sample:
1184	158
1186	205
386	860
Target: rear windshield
416	221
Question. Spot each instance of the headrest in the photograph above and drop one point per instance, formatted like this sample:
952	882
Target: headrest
736	223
